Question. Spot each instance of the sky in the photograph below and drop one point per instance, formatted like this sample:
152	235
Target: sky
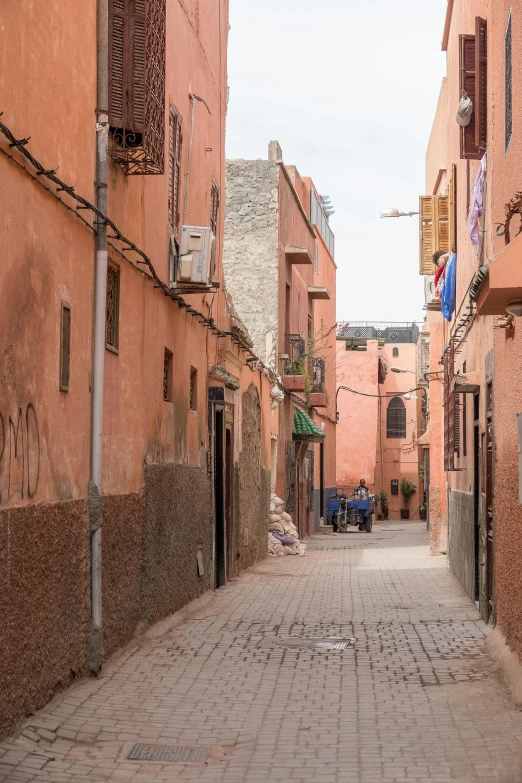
349	89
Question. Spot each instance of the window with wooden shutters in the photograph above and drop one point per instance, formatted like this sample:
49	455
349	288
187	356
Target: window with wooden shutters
433	230
449	410
112	310
468	146
137	84
456	424
396	418
508	74
175	142
214	207
452	209
481	86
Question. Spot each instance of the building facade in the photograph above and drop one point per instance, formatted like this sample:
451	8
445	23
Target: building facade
135	457
473	192
380	410
280	269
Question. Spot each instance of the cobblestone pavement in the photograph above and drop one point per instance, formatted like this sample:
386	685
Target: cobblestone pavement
362	662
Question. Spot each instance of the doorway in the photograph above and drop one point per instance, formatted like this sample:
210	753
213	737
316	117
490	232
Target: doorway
219	499
476	494
490	526
229	501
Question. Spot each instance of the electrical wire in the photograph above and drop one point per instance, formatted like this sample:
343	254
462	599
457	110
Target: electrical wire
82	203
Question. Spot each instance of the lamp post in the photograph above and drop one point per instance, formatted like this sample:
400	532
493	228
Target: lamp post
393	212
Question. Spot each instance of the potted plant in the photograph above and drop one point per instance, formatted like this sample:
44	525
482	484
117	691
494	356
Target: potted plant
295	375
422	511
382	499
408	489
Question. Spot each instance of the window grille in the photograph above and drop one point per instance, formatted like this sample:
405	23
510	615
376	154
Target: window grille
508	83
395	353
65	347
214	207
175	142
167	376
396	418
112	321
394	486
193	389
137	84
316	371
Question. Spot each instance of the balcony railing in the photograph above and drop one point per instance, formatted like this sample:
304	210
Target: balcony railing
295	349
316	372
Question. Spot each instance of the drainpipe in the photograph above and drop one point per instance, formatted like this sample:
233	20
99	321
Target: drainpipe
100	293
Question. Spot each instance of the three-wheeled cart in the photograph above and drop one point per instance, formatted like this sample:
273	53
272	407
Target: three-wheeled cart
349	506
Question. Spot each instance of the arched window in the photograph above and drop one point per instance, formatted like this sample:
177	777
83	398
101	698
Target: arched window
395	352
396	419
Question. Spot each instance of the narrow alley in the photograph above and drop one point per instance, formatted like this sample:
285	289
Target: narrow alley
363	661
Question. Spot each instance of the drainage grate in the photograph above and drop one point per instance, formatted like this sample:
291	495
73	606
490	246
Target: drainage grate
184	754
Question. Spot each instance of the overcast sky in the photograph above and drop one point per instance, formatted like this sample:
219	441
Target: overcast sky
349	89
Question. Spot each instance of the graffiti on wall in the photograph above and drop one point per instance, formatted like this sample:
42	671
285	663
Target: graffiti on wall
19	454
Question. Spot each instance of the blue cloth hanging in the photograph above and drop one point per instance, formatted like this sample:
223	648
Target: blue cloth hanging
449	289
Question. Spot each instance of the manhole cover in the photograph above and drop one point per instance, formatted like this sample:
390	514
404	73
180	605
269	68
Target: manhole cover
185	754
312	643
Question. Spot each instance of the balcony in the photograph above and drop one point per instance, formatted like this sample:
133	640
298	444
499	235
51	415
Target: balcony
318	292
503	283
316	373
294	373
298	255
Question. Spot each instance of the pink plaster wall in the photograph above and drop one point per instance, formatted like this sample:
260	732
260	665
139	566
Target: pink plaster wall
397	458
358	415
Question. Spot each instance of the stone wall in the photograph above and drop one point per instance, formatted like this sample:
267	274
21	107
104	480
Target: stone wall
254	484
178	522
462	539
250	251
44	604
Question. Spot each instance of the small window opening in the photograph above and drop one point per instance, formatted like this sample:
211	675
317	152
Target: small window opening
167	376
395	352
394	487
65	347
193	389
112	320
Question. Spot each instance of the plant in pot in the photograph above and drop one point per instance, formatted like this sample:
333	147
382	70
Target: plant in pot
382	499
408	489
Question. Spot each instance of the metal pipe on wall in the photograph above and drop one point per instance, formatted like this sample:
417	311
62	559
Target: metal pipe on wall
100	294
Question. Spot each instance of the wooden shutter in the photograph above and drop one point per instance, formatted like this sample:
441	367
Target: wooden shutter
214	207
481	95
468	147
433	230
127	45
137	84
452	210
175	143
456	424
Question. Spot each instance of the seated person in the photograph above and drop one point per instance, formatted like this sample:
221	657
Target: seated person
440	259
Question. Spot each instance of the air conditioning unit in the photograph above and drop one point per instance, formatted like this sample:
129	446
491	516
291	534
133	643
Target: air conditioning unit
429	288
193	264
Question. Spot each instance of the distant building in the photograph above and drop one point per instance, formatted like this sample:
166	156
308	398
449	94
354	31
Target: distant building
378	422
280	269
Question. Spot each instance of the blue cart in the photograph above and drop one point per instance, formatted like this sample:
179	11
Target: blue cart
346	507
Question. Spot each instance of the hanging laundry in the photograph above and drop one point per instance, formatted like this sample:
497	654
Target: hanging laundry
449	289
477	206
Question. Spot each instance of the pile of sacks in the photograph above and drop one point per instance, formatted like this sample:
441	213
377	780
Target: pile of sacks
283	538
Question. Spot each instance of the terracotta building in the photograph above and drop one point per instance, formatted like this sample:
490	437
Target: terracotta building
380	413
472	192
134	412
280	269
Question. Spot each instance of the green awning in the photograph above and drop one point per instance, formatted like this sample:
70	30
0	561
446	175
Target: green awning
305	428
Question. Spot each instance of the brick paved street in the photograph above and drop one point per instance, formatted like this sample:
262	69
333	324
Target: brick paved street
253	679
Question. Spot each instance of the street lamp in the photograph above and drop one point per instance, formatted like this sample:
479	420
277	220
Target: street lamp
401	369
393	212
